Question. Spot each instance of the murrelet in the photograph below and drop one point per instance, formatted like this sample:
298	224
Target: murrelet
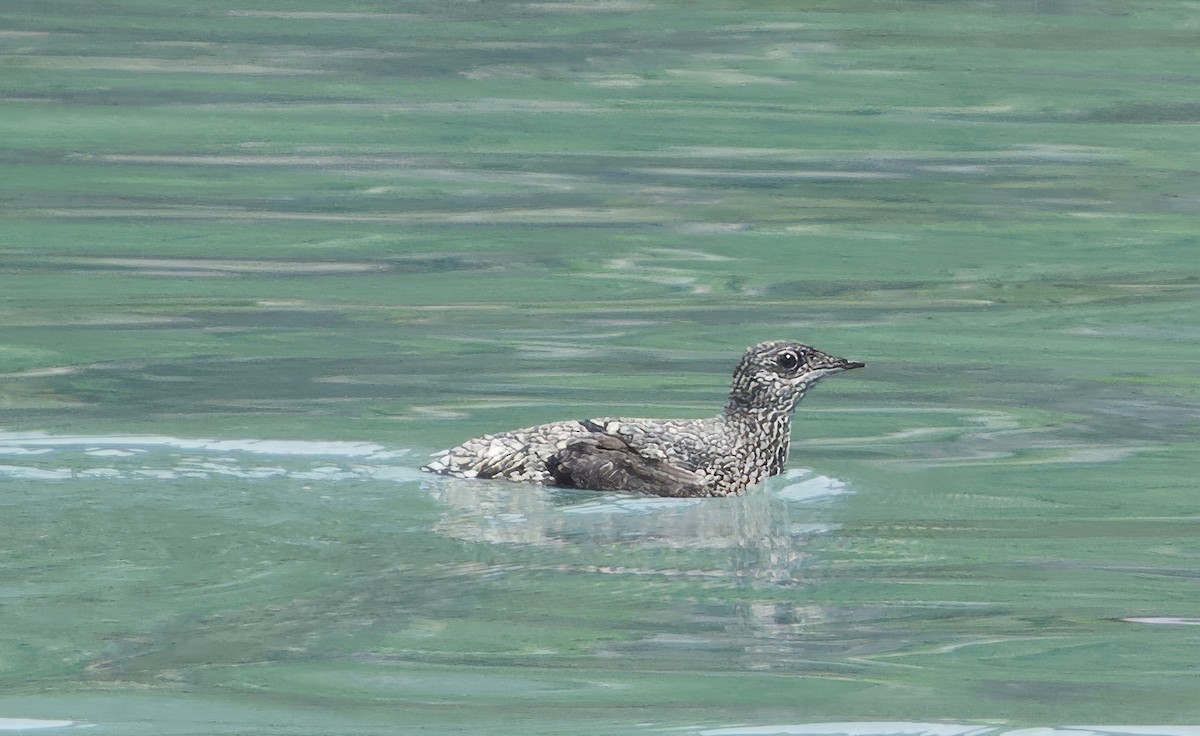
717	456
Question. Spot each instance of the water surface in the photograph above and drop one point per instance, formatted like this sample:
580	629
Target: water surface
257	262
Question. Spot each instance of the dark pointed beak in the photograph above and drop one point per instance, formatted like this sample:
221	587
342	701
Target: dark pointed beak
829	364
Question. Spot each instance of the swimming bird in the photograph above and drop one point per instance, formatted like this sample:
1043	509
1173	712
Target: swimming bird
715	456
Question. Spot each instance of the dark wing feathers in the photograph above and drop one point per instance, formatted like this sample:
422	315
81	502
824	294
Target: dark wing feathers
605	462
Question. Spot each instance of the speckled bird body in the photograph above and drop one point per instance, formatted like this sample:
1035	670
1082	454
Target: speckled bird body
714	456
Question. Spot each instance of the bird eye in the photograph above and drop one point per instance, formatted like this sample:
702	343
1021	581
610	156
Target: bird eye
787	361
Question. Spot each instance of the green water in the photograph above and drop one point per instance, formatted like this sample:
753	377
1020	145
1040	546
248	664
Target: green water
258	260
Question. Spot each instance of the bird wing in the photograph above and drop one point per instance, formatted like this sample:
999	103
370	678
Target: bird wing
606	462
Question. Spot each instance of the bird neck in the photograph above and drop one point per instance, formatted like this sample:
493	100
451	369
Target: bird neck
762	435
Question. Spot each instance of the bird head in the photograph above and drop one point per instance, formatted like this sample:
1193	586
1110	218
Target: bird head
775	375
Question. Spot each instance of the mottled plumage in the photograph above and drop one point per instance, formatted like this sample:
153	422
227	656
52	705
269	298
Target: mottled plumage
716	456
